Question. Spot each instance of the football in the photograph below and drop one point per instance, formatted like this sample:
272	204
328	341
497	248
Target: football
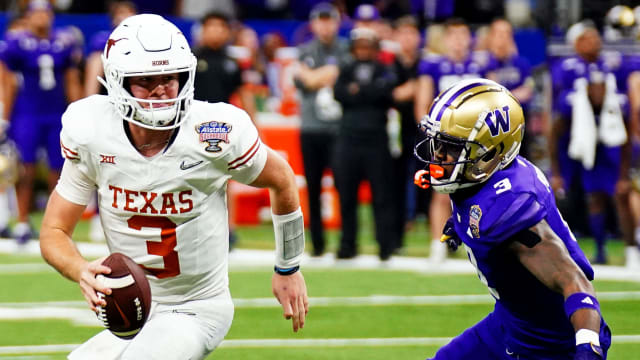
129	304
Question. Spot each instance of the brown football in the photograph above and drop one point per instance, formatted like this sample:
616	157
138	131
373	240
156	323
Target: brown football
129	304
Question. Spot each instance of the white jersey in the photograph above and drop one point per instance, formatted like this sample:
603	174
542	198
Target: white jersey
167	212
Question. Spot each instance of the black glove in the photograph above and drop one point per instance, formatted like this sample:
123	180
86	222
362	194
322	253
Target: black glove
449	236
588	352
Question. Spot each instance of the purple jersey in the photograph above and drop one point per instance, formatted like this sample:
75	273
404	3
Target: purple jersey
567	71
98	41
445	72
608	159
42	64
512	72
513	200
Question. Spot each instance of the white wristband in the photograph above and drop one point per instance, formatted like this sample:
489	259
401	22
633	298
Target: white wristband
289	233
586	336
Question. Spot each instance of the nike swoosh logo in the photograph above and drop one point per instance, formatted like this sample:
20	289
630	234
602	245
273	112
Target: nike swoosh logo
127	324
185	166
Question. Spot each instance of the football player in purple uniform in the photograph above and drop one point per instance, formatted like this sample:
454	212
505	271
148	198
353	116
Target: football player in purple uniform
505	215
49	79
435	74
589	136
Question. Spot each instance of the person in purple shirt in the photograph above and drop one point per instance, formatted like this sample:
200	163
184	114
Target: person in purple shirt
511	70
608	175
435	74
44	62
505	215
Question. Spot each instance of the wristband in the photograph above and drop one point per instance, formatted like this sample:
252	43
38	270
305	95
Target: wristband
578	301
286	272
289	235
587	336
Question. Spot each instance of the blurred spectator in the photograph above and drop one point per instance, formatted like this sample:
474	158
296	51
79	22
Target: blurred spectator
407	36
364	89
319	111
218	75
118	11
193	9
437	73
271	42
367	16
511	70
251	63
589	137
49	75
434	40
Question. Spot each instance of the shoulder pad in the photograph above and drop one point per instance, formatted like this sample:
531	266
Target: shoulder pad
502	219
79	123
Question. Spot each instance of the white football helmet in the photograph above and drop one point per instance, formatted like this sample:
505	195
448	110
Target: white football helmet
147	45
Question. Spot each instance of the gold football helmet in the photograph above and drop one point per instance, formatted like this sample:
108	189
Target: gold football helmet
471	130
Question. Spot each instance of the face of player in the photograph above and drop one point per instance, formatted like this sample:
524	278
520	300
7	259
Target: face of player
324	28
156	87
501	39
40	20
408	37
457	39
215	33
446	153
588	45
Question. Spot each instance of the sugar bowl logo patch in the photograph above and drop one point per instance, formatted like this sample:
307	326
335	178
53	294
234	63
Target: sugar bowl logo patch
213	133
474	220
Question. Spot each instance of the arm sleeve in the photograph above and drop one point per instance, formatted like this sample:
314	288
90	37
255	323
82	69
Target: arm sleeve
248	154
74	185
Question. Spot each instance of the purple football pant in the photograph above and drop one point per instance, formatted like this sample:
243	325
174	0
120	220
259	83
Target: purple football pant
31	133
484	341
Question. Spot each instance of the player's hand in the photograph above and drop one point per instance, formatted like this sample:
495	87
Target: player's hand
89	284
588	352
449	236
291	292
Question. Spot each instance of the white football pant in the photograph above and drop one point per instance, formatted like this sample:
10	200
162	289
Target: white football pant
189	330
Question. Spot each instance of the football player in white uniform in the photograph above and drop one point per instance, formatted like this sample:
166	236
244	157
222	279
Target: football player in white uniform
160	162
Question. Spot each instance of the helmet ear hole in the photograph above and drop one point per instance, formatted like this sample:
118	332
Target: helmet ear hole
489	155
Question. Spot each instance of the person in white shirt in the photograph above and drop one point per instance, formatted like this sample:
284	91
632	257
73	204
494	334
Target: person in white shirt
160	162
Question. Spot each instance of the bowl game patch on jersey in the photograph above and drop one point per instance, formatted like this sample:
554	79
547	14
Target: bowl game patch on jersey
474	220
213	133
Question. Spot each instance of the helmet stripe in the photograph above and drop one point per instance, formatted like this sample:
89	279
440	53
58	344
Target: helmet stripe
457	90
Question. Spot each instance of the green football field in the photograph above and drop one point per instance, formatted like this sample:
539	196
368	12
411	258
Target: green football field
355	314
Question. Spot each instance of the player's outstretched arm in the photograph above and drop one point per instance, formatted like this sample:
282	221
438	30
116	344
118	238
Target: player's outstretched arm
544	254
288	284
57	248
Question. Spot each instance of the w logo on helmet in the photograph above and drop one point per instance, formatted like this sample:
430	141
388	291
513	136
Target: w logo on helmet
498	119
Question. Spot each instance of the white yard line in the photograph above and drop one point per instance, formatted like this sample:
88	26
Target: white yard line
78	313
240	259
334	301
262	343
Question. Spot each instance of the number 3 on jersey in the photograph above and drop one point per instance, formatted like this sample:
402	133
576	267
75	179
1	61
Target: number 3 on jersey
493	291
165	248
